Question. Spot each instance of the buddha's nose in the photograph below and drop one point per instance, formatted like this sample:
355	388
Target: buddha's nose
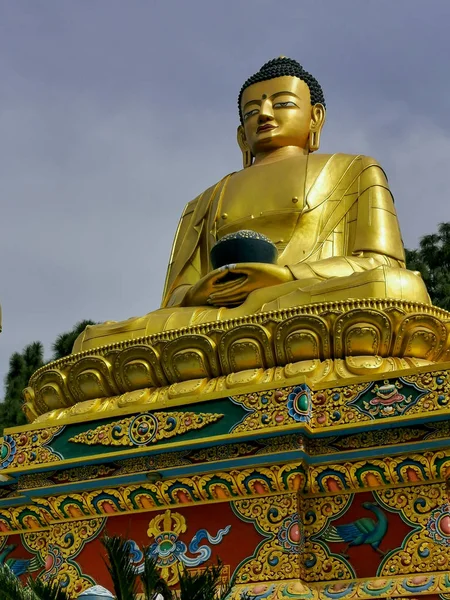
265	112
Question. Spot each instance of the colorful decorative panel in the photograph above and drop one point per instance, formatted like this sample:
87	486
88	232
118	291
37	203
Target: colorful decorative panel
337	493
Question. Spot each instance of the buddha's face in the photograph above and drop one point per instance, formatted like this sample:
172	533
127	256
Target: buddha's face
277	113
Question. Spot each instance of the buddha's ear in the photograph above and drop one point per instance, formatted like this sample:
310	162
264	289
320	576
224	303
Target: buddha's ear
247	156
315	128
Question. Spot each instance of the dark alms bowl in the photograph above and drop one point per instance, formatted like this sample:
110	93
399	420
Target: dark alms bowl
243	247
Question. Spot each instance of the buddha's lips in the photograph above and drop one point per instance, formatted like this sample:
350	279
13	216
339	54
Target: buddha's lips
265	128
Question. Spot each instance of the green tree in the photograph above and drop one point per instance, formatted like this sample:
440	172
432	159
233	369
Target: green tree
63	344
432	260
13	589
22	365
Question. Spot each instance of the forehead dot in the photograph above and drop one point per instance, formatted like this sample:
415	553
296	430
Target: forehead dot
264	96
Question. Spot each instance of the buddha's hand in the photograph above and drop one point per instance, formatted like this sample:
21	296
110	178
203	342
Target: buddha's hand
200	292
230	285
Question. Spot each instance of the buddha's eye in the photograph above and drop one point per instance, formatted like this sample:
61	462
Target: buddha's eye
250	113
284	104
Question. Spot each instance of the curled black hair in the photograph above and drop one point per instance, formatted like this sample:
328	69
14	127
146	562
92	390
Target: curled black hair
280	67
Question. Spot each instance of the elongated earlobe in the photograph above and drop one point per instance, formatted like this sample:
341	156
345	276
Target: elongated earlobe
317	122
314	140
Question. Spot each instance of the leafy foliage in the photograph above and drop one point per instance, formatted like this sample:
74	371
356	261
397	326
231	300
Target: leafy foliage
152	582
47	591
120	567
63	344
432	260
12	588
22	365
206	584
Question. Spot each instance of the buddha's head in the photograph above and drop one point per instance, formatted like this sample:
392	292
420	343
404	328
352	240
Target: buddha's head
280	105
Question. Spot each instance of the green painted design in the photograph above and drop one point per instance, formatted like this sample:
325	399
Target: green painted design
232	414
146	428
392	398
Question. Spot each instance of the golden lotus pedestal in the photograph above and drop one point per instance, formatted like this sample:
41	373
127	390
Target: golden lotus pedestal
309	449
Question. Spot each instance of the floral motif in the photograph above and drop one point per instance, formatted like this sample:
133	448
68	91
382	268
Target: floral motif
438	525
53	562
7	452
290	535
299	403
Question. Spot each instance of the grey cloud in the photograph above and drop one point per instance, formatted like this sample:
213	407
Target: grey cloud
113	117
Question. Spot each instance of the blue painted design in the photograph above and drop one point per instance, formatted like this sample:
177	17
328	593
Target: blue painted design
54	562
136	554
18	566
169	549
334	475
375	589
311	561
299	403
360	532
296	590
7	452
203	553
290	535
412	585
438	525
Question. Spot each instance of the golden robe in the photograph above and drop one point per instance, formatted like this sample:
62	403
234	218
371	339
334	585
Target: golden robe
339	237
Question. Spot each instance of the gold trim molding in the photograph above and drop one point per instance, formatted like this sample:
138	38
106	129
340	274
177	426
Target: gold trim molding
326	342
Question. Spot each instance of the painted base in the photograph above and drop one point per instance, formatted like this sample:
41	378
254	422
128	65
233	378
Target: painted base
336	492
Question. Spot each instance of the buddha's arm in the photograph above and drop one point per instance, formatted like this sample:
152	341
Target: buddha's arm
178	283
189	260
370	229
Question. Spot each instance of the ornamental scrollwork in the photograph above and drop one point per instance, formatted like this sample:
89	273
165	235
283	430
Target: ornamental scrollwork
29	448
145	428
423	550
277	518
58	549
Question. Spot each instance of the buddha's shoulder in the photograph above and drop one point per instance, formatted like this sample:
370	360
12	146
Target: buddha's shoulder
201	199
199	205
341	159
347	167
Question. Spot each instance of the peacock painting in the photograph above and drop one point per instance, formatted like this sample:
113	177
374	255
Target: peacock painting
18	566
362	531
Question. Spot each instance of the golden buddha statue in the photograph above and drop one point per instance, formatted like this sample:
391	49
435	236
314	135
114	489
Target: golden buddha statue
333	301
331	217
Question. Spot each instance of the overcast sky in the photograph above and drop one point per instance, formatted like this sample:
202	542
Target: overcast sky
115	113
